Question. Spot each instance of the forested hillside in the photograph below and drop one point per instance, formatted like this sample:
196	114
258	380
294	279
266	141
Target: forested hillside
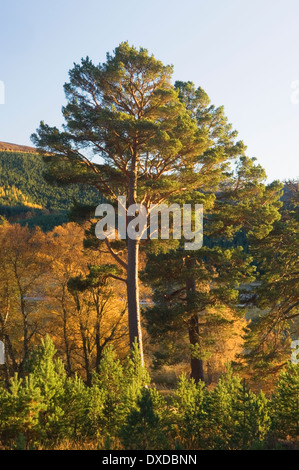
26	196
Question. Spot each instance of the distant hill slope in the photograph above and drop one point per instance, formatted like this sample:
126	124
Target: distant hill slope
6	146
24	194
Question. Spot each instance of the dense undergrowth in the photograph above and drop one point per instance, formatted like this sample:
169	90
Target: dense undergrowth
46	409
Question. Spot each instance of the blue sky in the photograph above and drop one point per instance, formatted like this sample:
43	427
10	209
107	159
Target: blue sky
243	53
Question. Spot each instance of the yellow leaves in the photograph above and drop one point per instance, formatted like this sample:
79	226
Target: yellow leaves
11	195
35	269
226	341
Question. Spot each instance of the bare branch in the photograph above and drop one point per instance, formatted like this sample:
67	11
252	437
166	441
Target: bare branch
116	255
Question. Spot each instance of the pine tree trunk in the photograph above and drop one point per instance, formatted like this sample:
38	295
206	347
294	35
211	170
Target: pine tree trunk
86	353
25	330
197	372
66	342
9	351
86	349
98	346
135	332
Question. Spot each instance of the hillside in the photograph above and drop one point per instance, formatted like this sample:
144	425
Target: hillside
7	147
27	198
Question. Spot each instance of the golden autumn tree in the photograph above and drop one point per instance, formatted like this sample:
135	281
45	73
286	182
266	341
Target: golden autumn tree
23	267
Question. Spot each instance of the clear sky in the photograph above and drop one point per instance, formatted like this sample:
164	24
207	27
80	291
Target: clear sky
244	53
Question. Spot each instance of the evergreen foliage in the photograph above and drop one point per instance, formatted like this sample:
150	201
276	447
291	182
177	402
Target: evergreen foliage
26	195
121	409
